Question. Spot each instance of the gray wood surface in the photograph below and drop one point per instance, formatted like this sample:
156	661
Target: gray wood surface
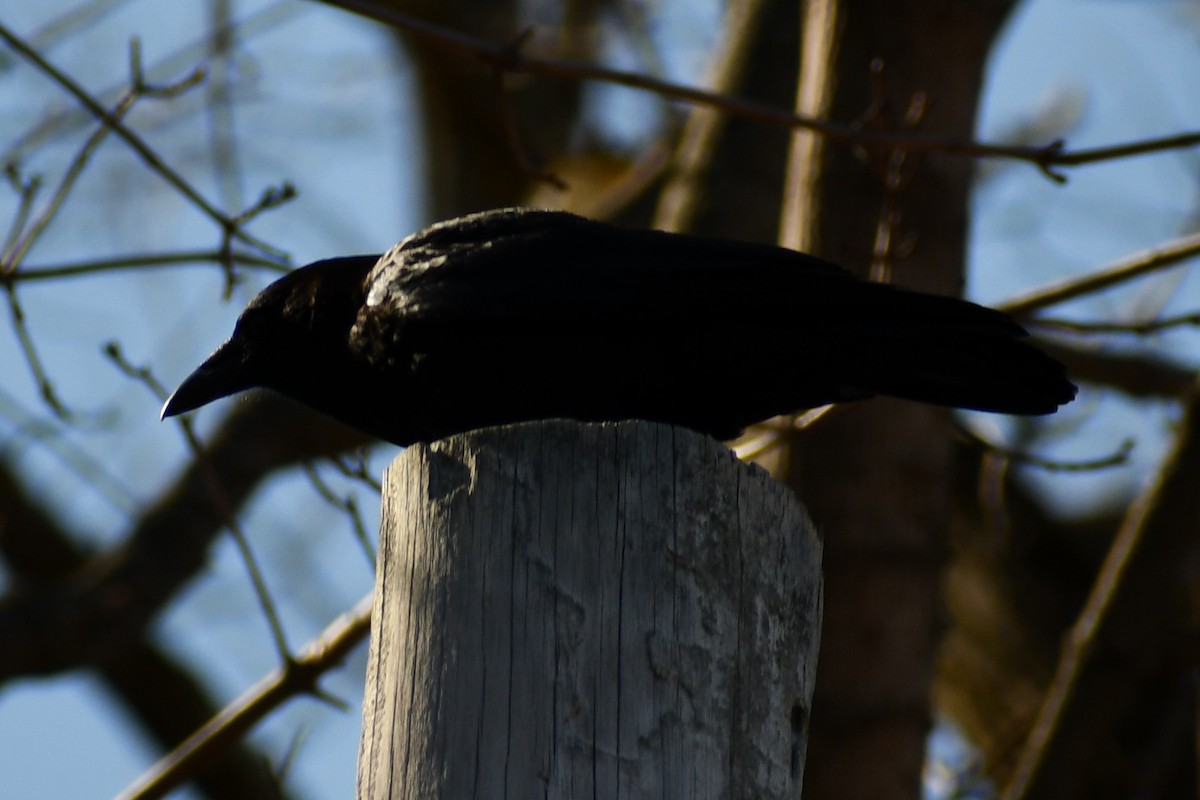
567	610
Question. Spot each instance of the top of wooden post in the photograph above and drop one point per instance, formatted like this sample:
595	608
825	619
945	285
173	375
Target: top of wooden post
570	610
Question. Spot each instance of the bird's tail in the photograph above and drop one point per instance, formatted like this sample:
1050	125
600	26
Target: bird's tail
954	353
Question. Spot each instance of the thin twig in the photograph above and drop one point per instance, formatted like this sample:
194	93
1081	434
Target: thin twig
252	24
23	238
679	199
1135	374
13	256
298	676
812	416
1118	272
1115	459
27	428
219	108
1044	157
1143	328
347	505
26	192
512	128
152	159
79	269
274	622
270	198
358	470
770	438
36	368
815	83
1084	635
778	430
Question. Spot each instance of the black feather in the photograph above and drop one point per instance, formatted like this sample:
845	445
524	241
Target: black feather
519	314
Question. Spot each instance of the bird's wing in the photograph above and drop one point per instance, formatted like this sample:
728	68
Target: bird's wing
534	267
525	294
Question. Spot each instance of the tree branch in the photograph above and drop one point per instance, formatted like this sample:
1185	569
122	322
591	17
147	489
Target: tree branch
99	610
507	59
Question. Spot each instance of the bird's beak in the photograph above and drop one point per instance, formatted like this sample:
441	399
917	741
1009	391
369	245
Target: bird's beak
221	374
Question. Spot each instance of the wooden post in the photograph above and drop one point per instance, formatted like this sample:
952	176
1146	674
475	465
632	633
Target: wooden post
566	610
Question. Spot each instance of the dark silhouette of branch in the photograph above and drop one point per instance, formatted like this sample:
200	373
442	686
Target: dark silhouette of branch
78	269
22	238
230	225
225	730
1126	269
171	702
1128	641
505	58
249	560
165	698
105	605
1118	457
1136	328
1138	375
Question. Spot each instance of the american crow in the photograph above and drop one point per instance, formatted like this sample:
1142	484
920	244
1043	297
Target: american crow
519	314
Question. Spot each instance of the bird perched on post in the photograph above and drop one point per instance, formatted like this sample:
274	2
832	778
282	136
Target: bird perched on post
520	314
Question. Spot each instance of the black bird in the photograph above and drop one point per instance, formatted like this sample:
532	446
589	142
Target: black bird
519	314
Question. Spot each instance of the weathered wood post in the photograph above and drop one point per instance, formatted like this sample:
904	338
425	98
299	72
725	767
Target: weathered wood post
567	610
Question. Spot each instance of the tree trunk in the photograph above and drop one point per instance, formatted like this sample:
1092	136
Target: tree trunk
878	475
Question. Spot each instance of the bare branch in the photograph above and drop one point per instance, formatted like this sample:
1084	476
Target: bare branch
512	129
501	57
229	225
36	368
1116	273
1144	560
26	192
167	701
265	601
297	677
691	162
10	260
116	263
1143	328
108	604
348	505
1137	375
1117	458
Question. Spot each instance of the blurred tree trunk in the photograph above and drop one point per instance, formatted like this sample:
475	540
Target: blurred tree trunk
1063	700
472	161
877	477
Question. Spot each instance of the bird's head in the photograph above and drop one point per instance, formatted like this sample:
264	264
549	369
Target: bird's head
284	337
